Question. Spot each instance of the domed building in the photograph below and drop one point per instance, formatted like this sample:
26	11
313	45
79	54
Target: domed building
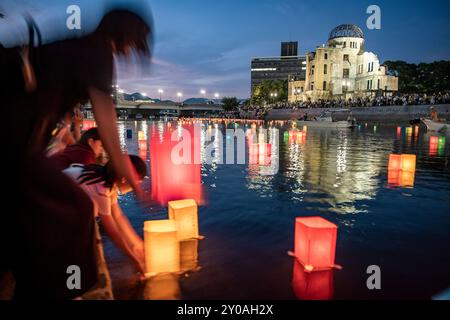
342	69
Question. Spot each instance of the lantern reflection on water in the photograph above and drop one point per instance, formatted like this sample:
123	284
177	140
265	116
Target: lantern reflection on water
162	287
185	215
316	285
171	180
189	255
162	248
260	154
315	243
433	145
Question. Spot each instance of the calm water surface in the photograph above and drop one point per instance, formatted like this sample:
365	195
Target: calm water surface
340	175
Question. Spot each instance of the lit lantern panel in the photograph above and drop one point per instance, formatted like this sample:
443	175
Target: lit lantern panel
395	162
316	285
253	154
409	162
185	214
315	243
394	178
406	179
399	132
162	248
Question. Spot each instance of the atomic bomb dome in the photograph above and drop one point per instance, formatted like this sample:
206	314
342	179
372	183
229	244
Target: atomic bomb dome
346	31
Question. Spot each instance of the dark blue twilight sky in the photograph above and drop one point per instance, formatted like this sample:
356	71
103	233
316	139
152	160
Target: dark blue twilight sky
208	44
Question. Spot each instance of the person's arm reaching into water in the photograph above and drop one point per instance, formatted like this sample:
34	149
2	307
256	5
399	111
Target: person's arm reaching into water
127	231
106	118
114	233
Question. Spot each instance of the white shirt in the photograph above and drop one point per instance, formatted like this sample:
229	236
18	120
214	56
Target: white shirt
102	196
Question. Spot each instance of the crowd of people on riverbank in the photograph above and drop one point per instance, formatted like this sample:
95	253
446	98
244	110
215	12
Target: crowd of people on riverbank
260	112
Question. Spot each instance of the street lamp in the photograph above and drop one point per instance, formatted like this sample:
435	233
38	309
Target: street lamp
143	94
203	92
160	91
179	95
216	95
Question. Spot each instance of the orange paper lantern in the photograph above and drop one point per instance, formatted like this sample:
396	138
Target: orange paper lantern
142	144
316	285
315	243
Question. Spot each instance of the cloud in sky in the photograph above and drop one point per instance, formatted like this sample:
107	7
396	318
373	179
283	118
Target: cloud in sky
203	44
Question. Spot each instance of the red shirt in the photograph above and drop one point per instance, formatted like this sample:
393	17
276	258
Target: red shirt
75	153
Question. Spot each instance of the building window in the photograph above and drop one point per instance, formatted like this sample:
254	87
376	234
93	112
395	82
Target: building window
324	85
312	86
312	70
326	56
346	73
346	57
345	44
325	69
360	69
369	84
379	84
370	67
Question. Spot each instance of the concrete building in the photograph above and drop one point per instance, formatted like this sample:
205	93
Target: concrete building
278	68
342	69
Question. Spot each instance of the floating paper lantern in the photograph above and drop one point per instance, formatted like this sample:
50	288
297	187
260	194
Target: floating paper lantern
409	162
395	162
416	131
316	285
402	170
185	214
189	255
399	132
141	136
315	243
171	180
409	132
162	248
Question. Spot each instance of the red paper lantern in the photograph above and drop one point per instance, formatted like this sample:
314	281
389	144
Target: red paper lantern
172	181
399	132
315	243
316	285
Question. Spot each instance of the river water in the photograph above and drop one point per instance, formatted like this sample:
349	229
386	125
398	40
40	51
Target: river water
248	217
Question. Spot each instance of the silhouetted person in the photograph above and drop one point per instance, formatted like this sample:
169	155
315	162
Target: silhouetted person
49	224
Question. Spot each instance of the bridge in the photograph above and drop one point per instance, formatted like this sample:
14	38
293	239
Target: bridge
142	105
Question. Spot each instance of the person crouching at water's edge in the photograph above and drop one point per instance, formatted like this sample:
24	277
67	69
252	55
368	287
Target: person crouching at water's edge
50	225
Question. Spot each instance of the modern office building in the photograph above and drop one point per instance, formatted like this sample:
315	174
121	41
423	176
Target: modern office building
289	49
342	69
278	68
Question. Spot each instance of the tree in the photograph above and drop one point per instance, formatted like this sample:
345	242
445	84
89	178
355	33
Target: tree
230	103
270	91
422	78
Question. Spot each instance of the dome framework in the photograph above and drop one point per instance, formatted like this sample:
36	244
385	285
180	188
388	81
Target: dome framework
346	31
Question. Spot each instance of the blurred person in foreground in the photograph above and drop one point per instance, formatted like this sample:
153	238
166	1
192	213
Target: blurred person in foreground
49	222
